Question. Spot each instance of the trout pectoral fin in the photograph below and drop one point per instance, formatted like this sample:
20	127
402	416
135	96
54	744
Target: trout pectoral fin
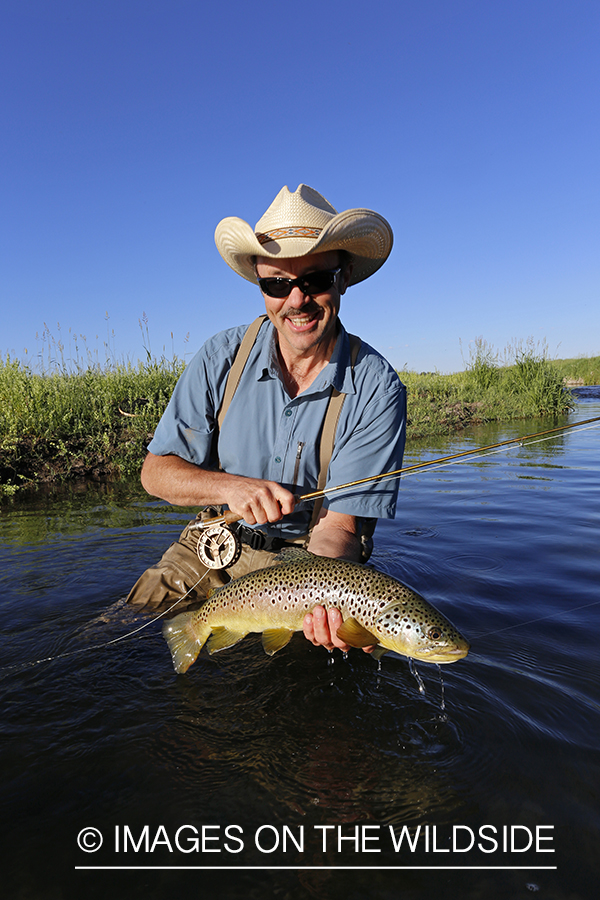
274	639
378	652
223	637
353	633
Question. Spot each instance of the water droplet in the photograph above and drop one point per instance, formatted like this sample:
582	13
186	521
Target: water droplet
411	666
443	699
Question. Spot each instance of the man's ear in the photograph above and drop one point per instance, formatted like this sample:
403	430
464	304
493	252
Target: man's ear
345	276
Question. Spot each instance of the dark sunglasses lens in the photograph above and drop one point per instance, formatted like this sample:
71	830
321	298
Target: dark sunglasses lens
314	283
317	282
275	287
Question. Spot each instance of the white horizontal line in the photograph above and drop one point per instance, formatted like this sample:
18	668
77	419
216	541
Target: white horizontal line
314	868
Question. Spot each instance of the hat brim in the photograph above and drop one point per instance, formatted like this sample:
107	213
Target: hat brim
361	232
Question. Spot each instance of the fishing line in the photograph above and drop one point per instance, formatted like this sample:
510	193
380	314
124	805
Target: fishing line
477	637
432	465
116	640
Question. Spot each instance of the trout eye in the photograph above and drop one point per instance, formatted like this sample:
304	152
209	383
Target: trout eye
434	633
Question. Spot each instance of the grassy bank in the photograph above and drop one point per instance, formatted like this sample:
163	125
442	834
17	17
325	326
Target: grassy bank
95	423
522	383
582	371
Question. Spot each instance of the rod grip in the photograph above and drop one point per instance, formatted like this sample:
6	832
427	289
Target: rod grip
231	517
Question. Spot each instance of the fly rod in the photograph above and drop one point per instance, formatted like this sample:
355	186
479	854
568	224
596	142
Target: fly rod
229	517
397	473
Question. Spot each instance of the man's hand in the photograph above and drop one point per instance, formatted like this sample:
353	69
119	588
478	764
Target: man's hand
334	535
258	502
320	628
184	484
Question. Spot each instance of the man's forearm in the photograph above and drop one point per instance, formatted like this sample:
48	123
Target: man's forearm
335	535
184	484
180	482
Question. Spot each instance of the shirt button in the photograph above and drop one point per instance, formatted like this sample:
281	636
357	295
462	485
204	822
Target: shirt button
277	459
288	412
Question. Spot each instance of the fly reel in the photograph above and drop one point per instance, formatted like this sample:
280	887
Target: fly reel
218	547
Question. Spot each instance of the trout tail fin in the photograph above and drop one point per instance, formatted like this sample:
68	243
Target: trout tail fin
185	639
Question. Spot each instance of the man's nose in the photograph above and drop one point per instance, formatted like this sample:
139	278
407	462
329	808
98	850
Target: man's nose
297	298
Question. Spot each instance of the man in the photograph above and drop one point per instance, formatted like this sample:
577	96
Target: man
265	451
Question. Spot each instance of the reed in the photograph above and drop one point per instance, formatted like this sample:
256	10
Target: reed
523	384
77	417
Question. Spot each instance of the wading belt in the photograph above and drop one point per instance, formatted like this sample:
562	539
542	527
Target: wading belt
330	422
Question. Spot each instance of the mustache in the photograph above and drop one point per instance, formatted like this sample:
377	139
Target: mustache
308	310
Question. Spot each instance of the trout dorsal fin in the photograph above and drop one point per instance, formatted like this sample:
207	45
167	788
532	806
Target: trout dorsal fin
356	634
290	553
274	639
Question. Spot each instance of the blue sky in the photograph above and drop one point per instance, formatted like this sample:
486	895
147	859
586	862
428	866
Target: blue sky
130	128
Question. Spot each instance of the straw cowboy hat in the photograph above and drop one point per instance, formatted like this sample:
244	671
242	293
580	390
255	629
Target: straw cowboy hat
304	222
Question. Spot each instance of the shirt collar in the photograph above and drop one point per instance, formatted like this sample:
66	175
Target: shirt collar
337	373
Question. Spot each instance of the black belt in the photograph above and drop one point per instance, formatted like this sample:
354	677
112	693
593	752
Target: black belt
258	540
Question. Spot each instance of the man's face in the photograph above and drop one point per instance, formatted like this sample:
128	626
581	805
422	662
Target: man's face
304	322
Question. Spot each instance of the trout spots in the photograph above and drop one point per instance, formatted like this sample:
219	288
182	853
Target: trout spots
402	620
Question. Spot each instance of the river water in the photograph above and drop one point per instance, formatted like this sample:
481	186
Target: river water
296	775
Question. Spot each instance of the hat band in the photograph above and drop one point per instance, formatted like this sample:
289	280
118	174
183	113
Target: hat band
291	231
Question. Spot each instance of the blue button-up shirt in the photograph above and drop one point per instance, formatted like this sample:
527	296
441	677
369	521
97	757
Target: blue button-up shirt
268	434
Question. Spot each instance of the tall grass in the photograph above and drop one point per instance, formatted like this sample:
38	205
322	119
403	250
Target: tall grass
582	370
523	384
94	422
77	417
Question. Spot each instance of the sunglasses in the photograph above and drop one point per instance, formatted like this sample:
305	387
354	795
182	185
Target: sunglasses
313	283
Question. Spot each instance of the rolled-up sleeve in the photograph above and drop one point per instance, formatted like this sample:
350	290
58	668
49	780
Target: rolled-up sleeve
188	425
369	441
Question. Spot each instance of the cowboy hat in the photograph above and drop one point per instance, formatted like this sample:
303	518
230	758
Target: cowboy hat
304	222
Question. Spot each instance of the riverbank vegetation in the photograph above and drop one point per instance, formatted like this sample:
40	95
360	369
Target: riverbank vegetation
521	383
95	422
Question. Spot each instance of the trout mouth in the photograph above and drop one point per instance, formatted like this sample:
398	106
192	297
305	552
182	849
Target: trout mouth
441	655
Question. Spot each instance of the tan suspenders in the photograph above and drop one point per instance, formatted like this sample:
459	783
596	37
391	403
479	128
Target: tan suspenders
332	415
180	566
238	366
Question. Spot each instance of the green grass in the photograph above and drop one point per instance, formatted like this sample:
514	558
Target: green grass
525	384
583	370
95	423
83	419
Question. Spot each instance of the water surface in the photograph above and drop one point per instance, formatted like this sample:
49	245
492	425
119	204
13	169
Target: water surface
507	547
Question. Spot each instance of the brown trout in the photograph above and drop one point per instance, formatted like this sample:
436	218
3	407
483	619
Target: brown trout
376	609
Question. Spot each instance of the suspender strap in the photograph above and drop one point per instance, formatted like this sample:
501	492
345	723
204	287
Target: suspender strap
328	431
334	408
238	366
